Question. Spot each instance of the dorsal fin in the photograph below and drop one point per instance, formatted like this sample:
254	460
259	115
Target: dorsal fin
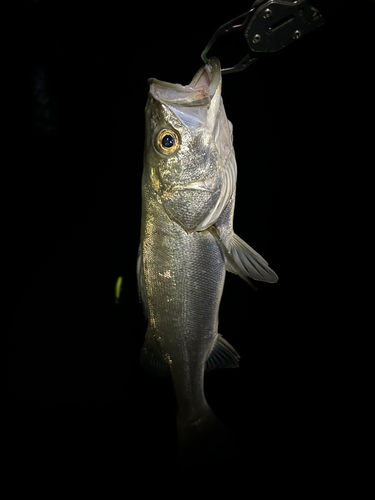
223	355
152	359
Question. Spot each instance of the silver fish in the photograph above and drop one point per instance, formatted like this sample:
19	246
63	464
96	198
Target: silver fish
187	241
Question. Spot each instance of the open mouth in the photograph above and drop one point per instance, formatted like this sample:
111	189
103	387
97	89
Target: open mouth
198	93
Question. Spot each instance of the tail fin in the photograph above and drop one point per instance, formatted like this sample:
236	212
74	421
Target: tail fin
204	439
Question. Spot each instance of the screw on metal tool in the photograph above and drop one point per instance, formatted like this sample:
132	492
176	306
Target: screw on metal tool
267	13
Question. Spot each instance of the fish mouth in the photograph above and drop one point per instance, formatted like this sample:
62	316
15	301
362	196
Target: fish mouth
199	92
208	76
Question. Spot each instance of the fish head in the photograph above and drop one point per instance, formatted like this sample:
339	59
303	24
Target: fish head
184	147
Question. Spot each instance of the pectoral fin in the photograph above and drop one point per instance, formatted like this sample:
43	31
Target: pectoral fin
243	260
249	261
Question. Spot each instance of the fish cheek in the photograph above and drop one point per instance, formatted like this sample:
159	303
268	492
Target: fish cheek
160	169
189	207
168	171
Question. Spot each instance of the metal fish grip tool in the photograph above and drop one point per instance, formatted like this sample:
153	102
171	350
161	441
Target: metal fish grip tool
267	27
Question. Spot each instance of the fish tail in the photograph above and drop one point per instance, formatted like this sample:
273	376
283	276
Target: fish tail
205	438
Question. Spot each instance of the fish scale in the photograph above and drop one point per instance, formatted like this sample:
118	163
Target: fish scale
187	243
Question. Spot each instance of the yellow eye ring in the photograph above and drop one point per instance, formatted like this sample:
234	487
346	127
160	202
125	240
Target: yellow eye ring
167	141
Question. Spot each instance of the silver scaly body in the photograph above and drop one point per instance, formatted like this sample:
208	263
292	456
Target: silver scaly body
187	240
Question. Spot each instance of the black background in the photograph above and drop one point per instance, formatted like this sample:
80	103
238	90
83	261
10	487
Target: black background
77	85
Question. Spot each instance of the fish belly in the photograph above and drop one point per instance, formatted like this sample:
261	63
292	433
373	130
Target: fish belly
184	277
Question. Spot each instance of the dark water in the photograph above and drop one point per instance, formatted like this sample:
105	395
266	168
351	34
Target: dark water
75	398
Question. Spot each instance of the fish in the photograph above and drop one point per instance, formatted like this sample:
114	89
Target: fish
187	244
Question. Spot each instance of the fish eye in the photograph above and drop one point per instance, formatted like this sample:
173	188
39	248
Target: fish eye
167	142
